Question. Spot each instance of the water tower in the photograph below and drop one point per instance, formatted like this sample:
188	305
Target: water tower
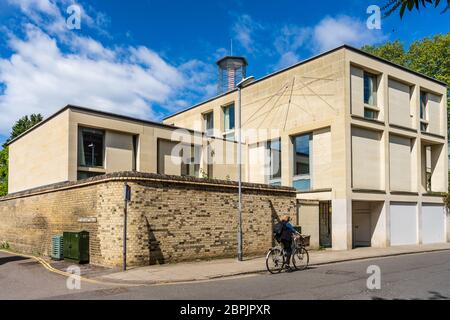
231	71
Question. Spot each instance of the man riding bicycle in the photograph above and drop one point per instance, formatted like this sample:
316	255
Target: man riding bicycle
286	238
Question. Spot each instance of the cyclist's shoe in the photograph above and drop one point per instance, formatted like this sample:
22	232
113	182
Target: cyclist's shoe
288	268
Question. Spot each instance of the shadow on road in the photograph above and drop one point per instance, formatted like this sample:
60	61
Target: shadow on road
5	260
434	295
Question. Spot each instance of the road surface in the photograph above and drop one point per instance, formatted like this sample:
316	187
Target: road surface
415	276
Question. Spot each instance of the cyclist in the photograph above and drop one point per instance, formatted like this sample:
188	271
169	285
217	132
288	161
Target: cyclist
287	232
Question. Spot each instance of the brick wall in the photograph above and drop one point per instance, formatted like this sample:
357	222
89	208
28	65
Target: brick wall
170	218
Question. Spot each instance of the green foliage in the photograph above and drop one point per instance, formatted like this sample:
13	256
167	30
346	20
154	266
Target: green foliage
5	245
204	174
392	6
4	171
392	51
22	125
428	55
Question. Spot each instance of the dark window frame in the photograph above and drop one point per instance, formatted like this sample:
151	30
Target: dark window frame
103	149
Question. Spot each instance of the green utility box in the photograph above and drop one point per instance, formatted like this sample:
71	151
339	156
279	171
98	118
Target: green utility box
76	246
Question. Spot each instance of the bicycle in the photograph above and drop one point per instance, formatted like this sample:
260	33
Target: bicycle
276	256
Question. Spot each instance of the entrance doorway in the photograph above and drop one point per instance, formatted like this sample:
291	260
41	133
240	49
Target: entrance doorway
325	224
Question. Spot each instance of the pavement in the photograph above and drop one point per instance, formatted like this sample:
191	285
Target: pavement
220	268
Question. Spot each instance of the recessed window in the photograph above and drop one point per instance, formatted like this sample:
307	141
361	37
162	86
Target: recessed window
302	162
90	147
370	89
208	120
191	161
274	156
86	174
228	124
370	114
423	105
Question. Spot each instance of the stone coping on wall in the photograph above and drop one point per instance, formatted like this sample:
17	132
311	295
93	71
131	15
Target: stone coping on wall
130	176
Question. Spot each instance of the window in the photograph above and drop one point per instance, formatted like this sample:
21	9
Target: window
370	89
228	125
135	152
191	162
86	174
90	147
370	114
302	162
208	120
274	155
423	105
423	111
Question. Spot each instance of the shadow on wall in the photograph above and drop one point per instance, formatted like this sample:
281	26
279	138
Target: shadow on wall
275	220
40	225
155	254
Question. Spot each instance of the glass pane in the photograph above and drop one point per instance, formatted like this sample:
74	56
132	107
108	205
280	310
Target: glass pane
85	175
370	114
302	184
274	148
229	136
423	105
229	117
369	89
209	123
191	163
90	147
302	154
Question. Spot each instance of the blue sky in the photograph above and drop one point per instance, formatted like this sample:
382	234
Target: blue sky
149	58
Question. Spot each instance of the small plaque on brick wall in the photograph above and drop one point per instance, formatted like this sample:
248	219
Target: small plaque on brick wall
87	219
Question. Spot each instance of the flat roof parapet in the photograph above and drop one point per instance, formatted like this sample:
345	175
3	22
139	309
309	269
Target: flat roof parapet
134	176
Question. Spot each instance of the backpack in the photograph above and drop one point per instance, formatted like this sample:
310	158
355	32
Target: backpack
278	230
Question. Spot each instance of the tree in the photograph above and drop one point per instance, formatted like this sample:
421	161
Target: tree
395	5
392	51
21	125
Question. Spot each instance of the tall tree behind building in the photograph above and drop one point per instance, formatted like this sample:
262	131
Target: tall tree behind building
21	125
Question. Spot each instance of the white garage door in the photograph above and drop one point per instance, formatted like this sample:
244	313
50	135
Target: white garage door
403	223
433	223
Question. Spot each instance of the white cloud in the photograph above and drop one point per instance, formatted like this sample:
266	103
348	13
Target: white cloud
332	32
243	30
288	41
328	33
41	77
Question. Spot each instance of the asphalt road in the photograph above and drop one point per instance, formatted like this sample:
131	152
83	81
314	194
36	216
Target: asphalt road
417	276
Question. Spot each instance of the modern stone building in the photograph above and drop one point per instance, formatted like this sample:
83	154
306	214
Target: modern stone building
362	140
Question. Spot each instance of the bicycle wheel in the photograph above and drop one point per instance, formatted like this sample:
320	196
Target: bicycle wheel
275	260
300	258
